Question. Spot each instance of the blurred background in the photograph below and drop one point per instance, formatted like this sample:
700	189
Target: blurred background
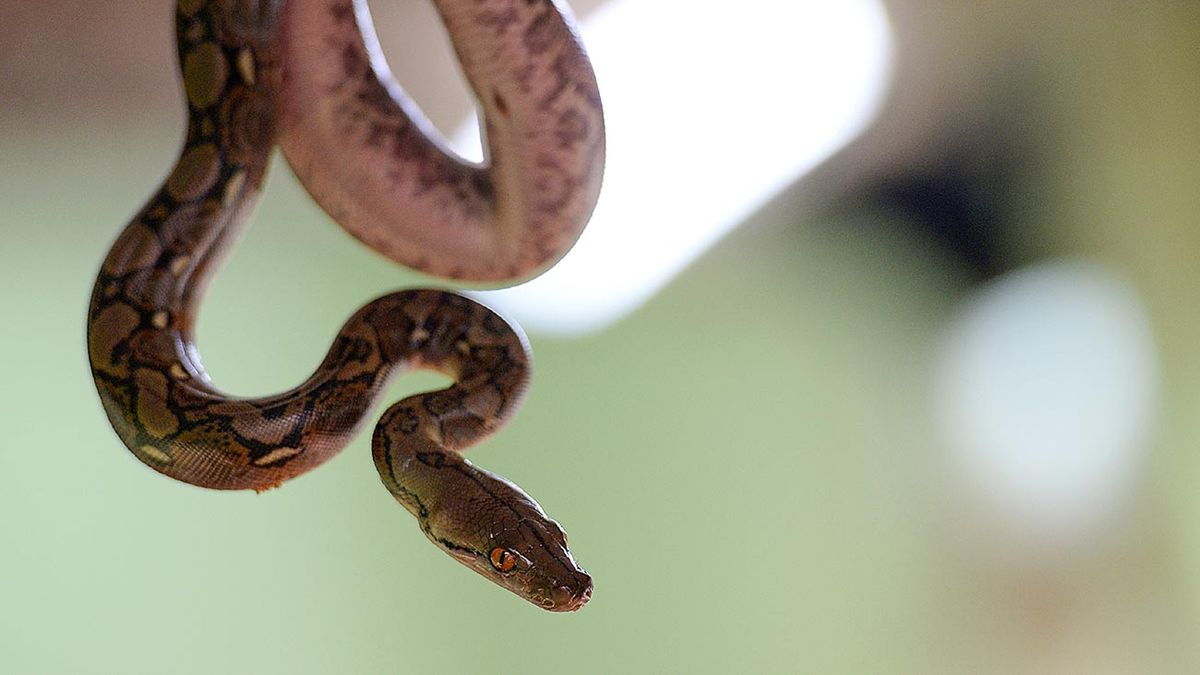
907	382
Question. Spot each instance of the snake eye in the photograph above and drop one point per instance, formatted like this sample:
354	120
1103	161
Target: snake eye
503	559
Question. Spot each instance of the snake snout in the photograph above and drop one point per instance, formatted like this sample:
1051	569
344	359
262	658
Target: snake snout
570	598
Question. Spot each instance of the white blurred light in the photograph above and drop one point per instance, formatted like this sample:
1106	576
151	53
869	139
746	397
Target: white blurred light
711	109
1047	397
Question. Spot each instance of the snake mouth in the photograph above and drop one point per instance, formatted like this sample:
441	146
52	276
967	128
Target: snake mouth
567	599
580	601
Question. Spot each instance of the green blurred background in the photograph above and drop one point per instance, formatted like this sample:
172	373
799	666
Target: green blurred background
747	465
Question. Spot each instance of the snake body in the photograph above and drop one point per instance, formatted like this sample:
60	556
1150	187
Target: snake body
372	160
164	406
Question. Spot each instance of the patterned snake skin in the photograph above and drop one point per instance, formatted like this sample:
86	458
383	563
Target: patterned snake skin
146	367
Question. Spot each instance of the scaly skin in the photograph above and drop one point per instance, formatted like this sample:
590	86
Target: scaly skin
164	407
375	163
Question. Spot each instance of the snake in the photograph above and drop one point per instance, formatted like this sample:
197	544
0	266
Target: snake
243	66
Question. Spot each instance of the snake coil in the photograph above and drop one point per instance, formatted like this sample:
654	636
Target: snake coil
306	75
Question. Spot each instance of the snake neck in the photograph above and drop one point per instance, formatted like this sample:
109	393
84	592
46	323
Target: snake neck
155	273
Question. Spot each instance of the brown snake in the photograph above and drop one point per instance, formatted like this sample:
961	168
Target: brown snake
238	58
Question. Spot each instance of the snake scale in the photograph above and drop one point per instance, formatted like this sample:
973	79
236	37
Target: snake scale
306	75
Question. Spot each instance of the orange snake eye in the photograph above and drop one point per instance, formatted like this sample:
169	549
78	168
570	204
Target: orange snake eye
503	559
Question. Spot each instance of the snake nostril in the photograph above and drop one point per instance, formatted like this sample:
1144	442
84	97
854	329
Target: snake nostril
570	599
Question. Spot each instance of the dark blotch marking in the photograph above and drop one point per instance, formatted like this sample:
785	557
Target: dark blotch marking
501	104
436	460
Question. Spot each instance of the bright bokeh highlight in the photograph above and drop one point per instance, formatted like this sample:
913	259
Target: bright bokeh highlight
1047	399
710	113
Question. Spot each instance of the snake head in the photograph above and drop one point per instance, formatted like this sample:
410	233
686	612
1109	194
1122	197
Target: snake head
512	542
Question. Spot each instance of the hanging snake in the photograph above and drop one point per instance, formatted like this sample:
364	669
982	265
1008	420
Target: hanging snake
307	75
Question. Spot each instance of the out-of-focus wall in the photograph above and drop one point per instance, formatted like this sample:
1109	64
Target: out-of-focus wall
754	465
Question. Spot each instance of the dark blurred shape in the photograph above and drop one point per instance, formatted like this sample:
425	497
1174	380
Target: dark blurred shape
960	201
